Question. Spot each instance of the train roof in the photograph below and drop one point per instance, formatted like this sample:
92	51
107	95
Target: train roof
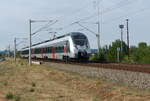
59	37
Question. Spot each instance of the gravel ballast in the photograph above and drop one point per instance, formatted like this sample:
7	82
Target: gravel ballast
140	80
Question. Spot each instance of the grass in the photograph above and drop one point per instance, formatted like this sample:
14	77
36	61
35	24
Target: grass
20	82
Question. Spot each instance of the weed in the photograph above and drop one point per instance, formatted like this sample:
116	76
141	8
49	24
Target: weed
32	90
33	84
5	83
96	99
98	83
9	95
17	98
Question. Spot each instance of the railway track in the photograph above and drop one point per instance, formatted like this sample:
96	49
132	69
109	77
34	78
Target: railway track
144	68
118	66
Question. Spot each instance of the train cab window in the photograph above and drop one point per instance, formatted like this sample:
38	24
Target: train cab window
80	39
80	42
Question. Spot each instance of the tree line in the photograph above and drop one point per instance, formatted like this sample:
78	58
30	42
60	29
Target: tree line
137	54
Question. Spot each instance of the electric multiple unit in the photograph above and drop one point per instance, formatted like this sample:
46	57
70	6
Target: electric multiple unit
74	45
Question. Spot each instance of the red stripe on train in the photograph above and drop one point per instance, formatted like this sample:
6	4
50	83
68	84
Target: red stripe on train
53	53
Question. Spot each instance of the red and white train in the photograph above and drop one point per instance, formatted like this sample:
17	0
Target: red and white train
74	45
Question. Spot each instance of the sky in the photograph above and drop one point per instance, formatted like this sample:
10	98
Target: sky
15	15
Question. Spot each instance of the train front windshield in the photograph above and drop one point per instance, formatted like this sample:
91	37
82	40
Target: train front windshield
80	40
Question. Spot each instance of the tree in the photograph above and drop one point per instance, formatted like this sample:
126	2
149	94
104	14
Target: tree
103	52
142	45
141	54
111	55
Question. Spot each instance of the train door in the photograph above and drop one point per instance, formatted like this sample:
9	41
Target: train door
66	48
66	51
32	53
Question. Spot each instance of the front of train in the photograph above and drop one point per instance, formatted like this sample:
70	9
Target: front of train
81	46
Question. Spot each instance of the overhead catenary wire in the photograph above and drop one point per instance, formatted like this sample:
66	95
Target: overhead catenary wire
74	13
89	17
79	10
44	27
128	14
121	4
86	28
107	10
117	18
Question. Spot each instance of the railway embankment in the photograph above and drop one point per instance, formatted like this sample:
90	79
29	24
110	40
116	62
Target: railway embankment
21	82
138	79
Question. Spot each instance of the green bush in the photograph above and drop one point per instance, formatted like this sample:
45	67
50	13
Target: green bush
139	54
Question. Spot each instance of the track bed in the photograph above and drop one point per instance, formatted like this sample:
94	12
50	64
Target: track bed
144	68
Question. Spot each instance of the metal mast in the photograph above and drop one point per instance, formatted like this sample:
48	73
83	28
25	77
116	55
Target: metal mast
128	37
30	42
15	49
121	27
98	35
31	34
